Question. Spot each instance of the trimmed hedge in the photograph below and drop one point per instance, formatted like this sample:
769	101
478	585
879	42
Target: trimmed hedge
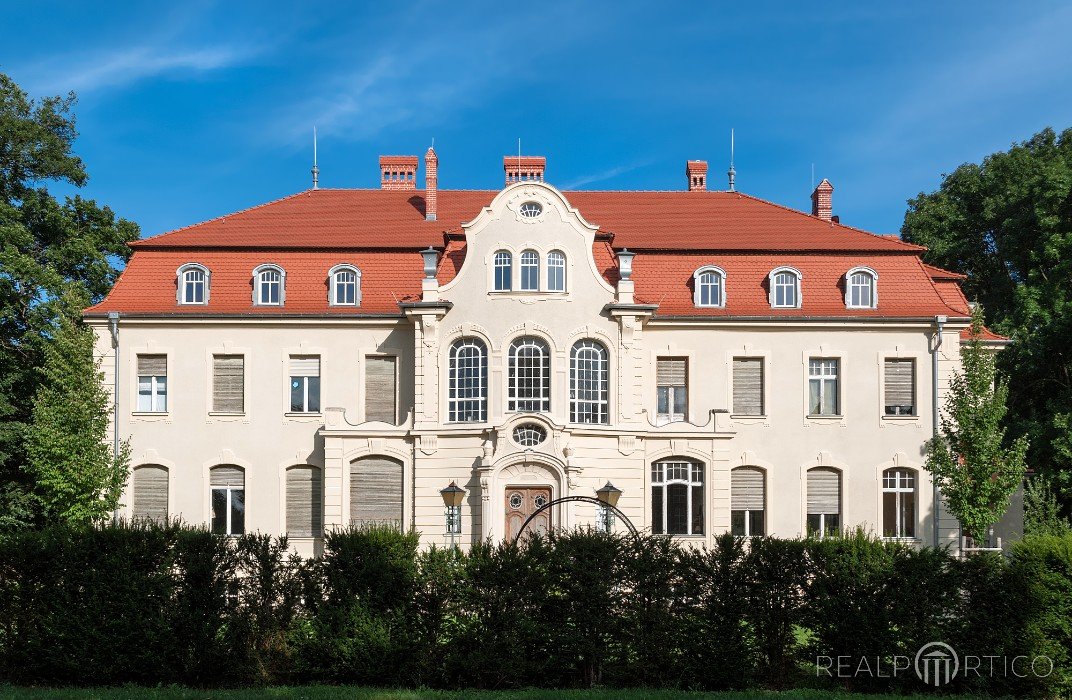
148	604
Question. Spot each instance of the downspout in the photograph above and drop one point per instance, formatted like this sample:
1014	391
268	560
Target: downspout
939	322
113	326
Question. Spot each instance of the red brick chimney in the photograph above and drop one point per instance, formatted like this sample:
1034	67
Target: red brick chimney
398	172
822	204
431	184
523	168
696	171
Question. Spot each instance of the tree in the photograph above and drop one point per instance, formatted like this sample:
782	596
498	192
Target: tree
1007	224
77	477
48	249
973	467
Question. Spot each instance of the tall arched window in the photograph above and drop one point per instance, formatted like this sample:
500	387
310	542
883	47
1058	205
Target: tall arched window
677	497
228	488
747	501
709	284
824	502
467	391
589	383
269	286
530	271
529	375
376	491
860	292
150	493
899	503
504	271
193	284
305	502
556	271
785	288
344	286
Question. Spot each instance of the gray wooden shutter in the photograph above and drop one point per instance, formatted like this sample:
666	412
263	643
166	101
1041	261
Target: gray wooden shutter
746	489
228	384
305	366
376	490
748	386
824	491
227	476
671	371
380	390
152	365
150	493
304	502
900	385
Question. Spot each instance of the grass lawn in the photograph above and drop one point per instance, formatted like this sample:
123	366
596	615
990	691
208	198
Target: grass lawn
324	692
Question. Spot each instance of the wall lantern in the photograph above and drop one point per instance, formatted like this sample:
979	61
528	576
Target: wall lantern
452	499
625	263
608	495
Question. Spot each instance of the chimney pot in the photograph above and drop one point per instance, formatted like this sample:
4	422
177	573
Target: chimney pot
398	172
821	200
696	172
524	168
431	184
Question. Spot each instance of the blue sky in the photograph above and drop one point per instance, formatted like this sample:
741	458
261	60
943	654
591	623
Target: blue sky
199	109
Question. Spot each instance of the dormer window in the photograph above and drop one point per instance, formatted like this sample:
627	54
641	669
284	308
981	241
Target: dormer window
530	271
344	282
556	271
784	288
860	288
504	271
193	284
709	287
269	285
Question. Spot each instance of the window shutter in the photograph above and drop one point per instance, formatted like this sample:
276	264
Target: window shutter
671	371
900	385
824	491
227	476
748	386
304	366
151	493
747	489
304	502
380	390
228	384
152	365
376	490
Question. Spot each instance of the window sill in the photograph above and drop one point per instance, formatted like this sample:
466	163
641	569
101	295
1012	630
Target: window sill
749	416
683	537
825	417
906	540
302	414
900	419
150	414
227	414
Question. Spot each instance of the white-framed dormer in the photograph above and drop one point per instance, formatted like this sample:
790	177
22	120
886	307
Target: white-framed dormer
861	288
192	284
344	285
785	288
269	285
709	287
534	270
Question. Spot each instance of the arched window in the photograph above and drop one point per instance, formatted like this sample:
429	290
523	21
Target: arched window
193	284
529	375
899	503
785	288
589	383
748	496
677	497
228	487
467	390
824	502
530	271
556	271
860	291
269	286
150	493
305	502
709	287
344	286
504	271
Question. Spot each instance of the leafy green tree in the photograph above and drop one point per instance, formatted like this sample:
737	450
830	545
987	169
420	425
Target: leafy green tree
974	468
1042	513
48	249
76	475
1007	224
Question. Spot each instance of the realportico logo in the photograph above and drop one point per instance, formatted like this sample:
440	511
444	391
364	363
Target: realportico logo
936	664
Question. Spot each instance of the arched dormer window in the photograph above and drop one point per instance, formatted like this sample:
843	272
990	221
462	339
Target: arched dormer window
556	271
193	284
530	271
504	271
861	288
709	287
784	288
269	285
344	286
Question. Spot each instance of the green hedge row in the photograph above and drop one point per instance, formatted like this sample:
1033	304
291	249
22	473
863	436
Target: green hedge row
159	605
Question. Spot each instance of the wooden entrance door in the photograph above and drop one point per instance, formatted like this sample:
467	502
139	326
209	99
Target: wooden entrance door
523	501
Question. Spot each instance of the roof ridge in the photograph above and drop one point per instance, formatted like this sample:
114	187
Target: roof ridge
217	218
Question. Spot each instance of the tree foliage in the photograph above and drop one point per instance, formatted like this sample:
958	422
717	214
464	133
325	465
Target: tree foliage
49	249
974	468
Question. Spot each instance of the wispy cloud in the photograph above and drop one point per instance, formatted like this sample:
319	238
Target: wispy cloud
603	175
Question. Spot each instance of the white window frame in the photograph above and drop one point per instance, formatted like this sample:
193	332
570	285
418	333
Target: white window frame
258	272
180	276
513	399
333	282
773	286
821	532
458	405
598	407
900	474
697	281
823	377
502	259
556	255
522	266
872	285
228	491
747	521
157	394
689	483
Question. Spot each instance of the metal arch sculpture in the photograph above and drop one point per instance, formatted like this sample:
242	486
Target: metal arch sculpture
582	499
